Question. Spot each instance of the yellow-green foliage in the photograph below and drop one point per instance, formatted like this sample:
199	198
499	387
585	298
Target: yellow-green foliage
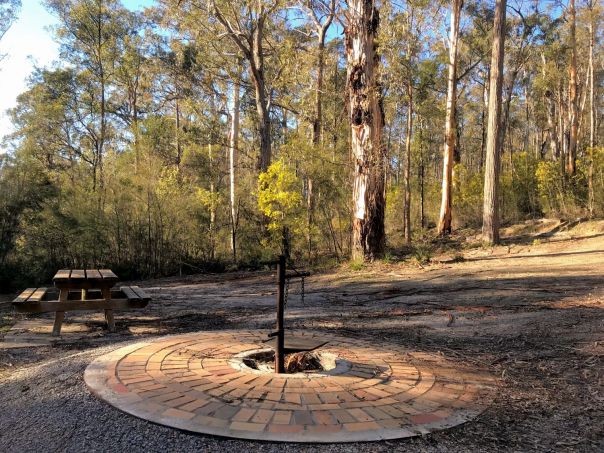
467	196
560	195
518	190
597	154
548	183
279	197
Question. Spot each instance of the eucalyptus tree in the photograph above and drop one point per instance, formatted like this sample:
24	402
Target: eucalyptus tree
524	31
133	79
245	24
594	20
444	222
367	122
8	14
47	122
233	148
573	113
321	14
90	33
490	222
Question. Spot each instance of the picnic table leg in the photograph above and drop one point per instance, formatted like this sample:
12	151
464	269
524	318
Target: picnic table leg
108	313
59	315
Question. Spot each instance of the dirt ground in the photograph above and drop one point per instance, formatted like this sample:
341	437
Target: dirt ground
531	311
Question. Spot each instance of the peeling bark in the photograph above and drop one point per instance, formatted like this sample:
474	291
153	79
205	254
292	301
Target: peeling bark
367	122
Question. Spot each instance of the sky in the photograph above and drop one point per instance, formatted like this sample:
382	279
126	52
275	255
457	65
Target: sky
28	43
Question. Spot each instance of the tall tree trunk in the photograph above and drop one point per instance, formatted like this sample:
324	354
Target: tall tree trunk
422	217
483	121
318	119
250	44
367	121
563	143
212	226
444	223
262	103
551	113
233	146
553	140
572	98
317	124
407	204
177	135
262	110
490	219
592	113
505	110
527	117
136	133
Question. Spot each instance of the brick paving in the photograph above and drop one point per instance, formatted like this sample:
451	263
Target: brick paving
197	382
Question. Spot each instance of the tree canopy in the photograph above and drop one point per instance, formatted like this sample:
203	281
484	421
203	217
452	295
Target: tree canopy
209	134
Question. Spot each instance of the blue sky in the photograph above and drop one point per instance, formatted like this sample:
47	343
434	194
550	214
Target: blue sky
29	42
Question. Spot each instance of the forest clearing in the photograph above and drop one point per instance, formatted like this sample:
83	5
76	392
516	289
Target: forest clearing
534	317
283	225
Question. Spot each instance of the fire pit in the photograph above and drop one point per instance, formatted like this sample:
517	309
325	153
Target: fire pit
306	364
351	390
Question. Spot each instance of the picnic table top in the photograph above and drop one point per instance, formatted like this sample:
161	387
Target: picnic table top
96	276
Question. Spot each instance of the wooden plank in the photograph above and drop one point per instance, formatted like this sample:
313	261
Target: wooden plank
78	274
140	292
84	284
110	320
130	294
62	275
56	327
108	274
25	294
93	274
47	306
38	295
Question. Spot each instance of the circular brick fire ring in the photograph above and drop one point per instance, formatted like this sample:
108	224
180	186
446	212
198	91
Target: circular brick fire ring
195	382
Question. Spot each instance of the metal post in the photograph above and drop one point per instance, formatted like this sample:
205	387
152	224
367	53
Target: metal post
279	356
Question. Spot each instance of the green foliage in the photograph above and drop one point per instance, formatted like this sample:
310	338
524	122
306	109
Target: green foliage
120	153
388	258
559	195
8	13
549	176
356	265
518	189
595	159
422	253
467	196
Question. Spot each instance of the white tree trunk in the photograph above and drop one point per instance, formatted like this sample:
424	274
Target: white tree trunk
444	223
367	121
573	115
233	145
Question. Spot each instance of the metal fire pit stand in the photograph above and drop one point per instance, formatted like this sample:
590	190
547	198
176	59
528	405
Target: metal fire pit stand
280	332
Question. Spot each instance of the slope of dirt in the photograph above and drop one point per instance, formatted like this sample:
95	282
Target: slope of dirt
531	311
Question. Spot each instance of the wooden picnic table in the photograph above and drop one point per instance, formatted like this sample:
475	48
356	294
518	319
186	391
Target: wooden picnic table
84	280
78	290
